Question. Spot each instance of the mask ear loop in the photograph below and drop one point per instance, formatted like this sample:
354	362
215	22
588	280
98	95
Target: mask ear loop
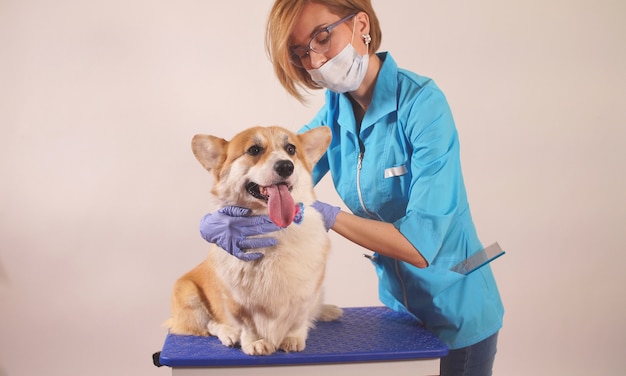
367	39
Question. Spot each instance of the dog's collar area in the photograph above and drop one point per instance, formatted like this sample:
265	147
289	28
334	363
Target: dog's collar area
299	217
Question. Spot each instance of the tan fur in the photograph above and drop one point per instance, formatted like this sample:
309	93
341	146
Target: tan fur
271	303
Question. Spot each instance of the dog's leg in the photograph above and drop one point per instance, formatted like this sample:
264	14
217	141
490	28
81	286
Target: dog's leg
227	334
296	339
189	315
252	345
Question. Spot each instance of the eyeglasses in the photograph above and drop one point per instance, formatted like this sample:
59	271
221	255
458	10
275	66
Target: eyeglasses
319	43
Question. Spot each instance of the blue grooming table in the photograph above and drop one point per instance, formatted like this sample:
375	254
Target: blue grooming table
362	335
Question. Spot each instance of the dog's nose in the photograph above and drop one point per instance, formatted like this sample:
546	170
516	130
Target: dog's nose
284	168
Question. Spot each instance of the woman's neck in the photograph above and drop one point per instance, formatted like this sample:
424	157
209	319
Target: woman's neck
362	97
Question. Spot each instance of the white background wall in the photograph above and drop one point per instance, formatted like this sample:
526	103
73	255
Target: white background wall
100	195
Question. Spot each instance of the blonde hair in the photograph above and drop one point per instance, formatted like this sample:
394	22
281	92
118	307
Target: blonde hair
280	24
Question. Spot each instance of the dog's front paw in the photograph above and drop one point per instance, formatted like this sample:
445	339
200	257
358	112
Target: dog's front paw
293	344
228	335
329	312
258	347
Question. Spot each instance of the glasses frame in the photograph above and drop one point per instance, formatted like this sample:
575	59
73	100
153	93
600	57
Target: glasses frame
295	58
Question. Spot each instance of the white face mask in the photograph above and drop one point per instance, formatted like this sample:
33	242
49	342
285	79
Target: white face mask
344	72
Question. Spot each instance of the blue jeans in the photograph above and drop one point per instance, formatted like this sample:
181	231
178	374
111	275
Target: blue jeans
474	360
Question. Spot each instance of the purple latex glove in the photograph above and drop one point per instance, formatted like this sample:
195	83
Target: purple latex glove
230	228
329	213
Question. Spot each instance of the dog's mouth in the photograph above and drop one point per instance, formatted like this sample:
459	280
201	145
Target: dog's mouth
264	192
280	205
255	190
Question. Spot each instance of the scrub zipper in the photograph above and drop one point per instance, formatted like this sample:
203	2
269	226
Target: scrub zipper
359	165
404	297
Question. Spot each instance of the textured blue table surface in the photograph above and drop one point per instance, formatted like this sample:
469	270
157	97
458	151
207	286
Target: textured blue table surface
362	334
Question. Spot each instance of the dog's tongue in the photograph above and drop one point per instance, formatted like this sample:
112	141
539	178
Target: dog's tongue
280	204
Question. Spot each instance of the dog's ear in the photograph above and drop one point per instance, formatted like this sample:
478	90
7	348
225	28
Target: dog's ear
210	151
315	143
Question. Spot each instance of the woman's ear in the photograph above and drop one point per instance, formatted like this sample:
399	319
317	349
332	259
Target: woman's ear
362	24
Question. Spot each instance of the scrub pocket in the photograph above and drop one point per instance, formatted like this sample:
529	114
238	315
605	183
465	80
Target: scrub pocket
435	279
401	279
394	186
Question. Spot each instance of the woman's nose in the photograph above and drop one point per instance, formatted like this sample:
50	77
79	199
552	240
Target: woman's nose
317	59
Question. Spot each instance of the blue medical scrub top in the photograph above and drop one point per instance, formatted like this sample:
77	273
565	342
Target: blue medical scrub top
403	167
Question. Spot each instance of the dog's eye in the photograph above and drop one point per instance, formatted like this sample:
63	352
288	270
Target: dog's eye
290	149
254	150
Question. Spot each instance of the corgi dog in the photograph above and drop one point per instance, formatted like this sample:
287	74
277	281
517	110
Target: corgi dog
267	304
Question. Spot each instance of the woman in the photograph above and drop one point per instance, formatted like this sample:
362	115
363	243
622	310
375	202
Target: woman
394	160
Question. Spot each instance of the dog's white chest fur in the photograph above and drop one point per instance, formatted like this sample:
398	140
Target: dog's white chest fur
288	273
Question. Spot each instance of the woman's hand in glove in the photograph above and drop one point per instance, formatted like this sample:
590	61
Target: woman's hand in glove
231	228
